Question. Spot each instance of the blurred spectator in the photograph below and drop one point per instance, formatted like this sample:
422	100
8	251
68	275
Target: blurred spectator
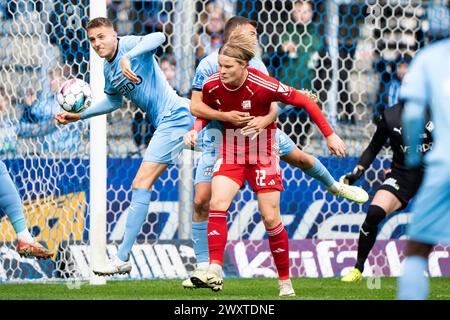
209	37
66	29
300	46
4	103
124	16
29	101
299	56
351	16
393	44
168	66
401	67
437	21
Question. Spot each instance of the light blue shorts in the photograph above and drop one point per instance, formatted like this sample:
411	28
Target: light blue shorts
167	141
285	144
210	151
431	213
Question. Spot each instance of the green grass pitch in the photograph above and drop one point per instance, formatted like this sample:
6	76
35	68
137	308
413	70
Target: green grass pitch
234	289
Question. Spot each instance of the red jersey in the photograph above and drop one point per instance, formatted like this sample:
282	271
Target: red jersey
254	97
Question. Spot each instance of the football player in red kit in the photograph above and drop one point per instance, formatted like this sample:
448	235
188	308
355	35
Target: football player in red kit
238	87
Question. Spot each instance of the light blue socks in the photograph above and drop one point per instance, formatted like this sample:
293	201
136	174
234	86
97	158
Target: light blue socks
320	173
10	201
200	241
137	214
413	284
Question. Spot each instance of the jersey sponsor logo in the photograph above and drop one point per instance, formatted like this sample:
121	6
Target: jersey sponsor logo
422	148
246	104
218	102
392	182
128	87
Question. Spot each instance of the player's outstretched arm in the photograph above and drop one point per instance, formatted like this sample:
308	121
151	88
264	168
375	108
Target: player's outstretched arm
148	43
413	123
301	100
109	104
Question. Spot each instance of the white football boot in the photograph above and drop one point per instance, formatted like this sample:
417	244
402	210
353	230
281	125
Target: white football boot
352	193
114	266
286	289
187	284
208	279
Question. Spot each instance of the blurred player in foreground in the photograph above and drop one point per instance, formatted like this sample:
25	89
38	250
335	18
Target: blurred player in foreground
427	84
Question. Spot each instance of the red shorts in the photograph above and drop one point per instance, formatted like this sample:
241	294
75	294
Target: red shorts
261	177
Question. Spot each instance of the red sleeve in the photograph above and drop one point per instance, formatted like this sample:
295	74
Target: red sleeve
199	124
291	96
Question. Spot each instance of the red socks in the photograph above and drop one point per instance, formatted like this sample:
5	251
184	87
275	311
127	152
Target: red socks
279	246
217	235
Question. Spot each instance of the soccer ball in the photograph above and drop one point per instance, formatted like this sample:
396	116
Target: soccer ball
74	95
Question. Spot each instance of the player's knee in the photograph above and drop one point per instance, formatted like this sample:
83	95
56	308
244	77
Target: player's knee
375	215
271	221
201	206
218	204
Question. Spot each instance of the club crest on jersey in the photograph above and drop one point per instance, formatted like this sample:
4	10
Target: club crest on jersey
246	104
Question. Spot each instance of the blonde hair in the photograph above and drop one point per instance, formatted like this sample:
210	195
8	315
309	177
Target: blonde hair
240	46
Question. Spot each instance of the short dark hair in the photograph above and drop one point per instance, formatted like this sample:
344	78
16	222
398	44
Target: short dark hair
233	23
99	22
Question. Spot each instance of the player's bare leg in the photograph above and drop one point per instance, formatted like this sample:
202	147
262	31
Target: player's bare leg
383	204
269	205
137	213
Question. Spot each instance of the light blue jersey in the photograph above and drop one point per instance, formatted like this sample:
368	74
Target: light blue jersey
207	67
427	84
168	112
152	94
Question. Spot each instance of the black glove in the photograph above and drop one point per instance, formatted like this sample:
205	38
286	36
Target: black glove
352	177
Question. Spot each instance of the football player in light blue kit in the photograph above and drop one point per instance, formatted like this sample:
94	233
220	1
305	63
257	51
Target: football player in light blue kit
427	83
210	139
11	205
131	70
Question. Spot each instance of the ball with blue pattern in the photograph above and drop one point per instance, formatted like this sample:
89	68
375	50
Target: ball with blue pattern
74	95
